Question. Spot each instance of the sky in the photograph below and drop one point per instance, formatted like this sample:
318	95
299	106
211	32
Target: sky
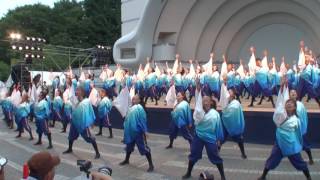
6	5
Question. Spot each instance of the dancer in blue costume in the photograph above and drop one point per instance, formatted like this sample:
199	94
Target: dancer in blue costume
41	113
306	84
67	105
178	81
181	120
57	105
288	143
233	122
104	108
214	82
21	115
262	84
109	85
82	118
135	132
303	117
7	109
87	84
150	83
208	134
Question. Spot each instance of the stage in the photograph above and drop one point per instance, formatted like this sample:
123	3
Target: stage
259	124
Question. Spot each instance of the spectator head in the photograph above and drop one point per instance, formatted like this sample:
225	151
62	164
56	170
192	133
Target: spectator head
42	165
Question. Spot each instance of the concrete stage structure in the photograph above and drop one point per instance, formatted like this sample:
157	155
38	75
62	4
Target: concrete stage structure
193	28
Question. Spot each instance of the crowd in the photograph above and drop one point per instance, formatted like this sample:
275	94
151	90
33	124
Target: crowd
78	103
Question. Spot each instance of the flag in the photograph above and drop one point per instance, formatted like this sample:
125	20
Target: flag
171	97
280	113
224	96
252	64
122	102
208	66
198	113
302	60
264	62
240	71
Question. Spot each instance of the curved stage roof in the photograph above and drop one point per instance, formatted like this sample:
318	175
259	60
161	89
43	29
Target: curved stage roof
193	28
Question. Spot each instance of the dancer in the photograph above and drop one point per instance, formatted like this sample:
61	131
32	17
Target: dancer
233	122
21	116
208	134
181	120
135	132
82	118
303	117
288	140
41	113
57	105
104	108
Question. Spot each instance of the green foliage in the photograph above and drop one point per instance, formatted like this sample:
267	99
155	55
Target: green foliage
70	23
4	71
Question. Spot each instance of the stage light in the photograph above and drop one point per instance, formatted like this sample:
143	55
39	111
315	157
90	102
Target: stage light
39	39
32	55
102	47
43	57
20	48
28	38
18	36
32	48
33	39
12	35
39	49
26	55
44	40
27	47
99	46
14	47
15	36
38	56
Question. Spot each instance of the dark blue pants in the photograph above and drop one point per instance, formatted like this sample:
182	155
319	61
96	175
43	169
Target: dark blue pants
141	143
211	148
185	132
305	87
306	144
275	158
24	124
85	134
103	121
42	127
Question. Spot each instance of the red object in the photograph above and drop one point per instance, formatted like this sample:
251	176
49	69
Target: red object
25	171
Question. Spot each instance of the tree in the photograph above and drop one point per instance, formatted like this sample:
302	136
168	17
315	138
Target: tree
104	21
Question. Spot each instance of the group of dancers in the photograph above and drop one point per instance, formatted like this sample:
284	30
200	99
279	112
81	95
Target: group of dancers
79	104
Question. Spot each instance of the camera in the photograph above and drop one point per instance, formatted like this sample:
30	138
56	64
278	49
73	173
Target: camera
85	166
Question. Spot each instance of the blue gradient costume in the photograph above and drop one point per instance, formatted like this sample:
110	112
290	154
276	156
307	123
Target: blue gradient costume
288	144
109	85
42	114
135	127
21	117
57	105
150	85
104	108
82	118
7	109
181	119
208	132
233	121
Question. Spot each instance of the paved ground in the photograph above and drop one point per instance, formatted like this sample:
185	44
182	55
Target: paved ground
169	164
